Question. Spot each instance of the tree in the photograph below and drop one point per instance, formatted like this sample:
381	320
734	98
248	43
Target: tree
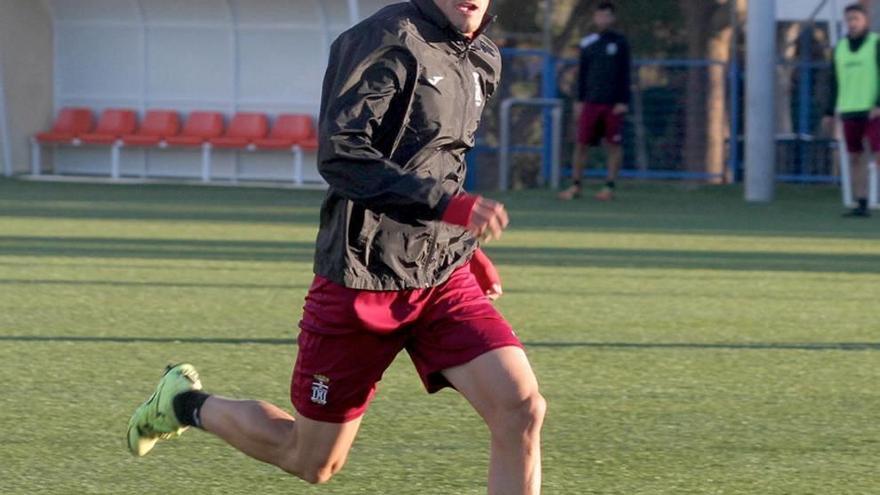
709	37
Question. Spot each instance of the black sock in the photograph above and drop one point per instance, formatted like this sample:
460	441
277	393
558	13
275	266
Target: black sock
188	406
610	184
863	204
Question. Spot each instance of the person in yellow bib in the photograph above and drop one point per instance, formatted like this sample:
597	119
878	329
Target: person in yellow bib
855	98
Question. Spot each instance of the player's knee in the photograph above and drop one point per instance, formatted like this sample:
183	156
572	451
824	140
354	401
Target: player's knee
537	409
523	417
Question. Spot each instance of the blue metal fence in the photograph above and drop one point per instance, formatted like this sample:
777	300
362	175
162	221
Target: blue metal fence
663	140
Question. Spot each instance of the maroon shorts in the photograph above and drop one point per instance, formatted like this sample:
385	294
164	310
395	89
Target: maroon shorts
599	121
856	130
349	338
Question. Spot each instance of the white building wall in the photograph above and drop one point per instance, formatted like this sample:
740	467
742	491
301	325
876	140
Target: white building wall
26	72
799	10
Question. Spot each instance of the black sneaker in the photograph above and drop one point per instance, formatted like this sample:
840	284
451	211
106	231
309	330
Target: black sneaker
858	213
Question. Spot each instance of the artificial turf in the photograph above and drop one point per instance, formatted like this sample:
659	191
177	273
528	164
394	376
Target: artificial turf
687	343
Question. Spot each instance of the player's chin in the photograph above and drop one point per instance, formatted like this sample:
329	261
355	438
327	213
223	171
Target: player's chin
467	26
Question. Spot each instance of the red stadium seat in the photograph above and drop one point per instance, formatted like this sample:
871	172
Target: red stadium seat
158	126
113	124
309	144
288	131
244	129
200	127
70	124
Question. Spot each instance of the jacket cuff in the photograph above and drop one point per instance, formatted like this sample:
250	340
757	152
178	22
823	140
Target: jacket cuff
459	210
484	271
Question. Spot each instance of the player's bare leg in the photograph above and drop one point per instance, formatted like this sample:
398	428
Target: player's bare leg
311	450
860	183
577	170
859	174
502	388
615	160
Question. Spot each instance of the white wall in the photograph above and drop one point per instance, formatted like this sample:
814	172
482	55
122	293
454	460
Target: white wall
26	72
225	55
799	10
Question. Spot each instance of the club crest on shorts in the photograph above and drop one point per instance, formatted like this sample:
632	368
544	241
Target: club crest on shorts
320	388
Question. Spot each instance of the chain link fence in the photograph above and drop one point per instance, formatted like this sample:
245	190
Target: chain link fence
680	124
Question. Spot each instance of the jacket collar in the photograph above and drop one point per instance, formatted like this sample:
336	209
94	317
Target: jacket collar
432	12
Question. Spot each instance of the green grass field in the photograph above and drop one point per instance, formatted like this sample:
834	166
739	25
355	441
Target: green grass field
687	343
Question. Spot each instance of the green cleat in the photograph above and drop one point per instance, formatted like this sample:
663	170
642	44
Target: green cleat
154	420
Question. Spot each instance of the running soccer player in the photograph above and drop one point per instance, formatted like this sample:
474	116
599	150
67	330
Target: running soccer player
397	262
603	100
855	97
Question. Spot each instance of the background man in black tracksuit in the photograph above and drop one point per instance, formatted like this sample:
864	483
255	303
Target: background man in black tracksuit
603	100
397	262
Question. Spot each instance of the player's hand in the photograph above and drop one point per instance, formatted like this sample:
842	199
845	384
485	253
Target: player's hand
875	113
828	125
488	220
486	274
494	292
620	109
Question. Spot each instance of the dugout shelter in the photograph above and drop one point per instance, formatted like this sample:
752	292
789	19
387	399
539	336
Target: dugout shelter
130	67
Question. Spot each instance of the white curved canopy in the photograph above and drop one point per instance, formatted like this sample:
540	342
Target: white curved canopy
230	55
224	55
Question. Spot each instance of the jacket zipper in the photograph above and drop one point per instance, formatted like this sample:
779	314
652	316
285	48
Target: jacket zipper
467	80
470	79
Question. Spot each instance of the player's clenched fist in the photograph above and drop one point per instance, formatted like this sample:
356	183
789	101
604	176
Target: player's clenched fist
489	219
485	218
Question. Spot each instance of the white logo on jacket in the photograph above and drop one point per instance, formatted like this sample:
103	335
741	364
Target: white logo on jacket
478	90
611	49
589	40
434	81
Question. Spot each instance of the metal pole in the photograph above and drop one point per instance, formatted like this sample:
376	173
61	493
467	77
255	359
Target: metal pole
504	152
845	170
842	155
549	92
548	89
805	45
4	129
114	161
874	187
558	132
548	26
354	11
733	92
36	159
760	96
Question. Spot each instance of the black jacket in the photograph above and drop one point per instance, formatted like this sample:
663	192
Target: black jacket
604	75
401	103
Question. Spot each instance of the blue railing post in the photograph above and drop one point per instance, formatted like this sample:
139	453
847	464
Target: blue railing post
733	82
548	90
